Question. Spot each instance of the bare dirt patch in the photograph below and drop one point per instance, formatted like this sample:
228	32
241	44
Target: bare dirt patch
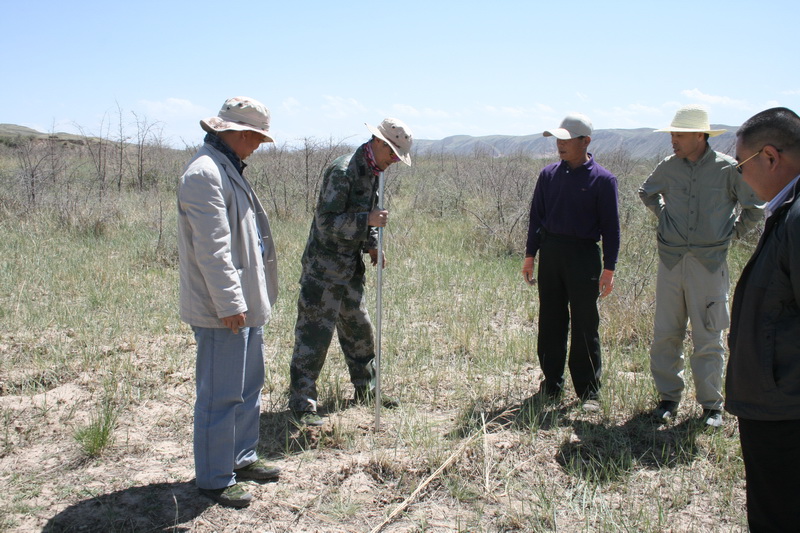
511	469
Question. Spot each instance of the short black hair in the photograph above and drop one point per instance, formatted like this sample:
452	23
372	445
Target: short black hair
778	127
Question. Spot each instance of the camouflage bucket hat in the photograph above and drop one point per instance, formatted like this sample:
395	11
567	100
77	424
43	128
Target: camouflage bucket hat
240	113
397	135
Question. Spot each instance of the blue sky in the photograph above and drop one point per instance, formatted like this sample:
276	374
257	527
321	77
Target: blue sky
444	67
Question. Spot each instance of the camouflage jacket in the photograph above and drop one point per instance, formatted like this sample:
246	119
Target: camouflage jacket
339	233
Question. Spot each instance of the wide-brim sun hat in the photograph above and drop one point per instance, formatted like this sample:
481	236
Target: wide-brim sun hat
240	113
691	119
397	135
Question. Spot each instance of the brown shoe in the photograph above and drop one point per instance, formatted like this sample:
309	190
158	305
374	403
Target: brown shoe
258	470
232	496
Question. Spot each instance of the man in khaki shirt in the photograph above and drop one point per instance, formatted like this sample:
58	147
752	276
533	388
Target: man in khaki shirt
694	193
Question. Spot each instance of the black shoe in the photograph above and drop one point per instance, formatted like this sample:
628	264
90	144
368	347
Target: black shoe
712	417
307	418
543	398
665	410
538	405
233	496
591	404
258	470
590	400
365	396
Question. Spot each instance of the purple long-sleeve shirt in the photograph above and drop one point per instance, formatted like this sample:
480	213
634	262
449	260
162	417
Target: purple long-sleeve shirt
580	203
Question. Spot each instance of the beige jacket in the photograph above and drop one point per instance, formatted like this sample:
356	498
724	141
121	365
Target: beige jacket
223	271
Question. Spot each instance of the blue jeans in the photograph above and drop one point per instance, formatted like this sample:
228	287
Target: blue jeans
230	375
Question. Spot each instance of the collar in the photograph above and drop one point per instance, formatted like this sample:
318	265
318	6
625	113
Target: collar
781	198
226	150
587	165
708	153
370	157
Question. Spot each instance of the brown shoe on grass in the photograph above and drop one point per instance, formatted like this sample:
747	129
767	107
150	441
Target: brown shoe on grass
232	496
258	470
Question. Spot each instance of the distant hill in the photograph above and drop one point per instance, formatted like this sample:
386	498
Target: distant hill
11	132
641	143
13	129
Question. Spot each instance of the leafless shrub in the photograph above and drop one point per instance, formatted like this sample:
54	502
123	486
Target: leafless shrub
292	177
491	191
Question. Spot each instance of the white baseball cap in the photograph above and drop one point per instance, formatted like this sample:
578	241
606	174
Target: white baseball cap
574	125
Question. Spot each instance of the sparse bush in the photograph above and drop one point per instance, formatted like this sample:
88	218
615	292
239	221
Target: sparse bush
98	435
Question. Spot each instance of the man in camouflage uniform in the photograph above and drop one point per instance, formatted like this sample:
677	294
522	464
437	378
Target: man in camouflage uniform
332	280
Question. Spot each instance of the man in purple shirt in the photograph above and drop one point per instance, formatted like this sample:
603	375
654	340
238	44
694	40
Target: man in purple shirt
574	206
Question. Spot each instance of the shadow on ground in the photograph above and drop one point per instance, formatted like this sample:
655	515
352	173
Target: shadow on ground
156	507
604	453
529	415
596	451
280	435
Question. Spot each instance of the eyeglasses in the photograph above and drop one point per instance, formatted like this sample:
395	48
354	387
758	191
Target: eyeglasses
739	165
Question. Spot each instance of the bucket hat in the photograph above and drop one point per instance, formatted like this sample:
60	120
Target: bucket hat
240	113
574	125
397	135
691	119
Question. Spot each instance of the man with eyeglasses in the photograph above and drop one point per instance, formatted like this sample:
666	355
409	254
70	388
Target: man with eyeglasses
762	385
345	226
574	205
695	193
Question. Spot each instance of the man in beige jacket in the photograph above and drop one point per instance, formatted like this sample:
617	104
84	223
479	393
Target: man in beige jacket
229	282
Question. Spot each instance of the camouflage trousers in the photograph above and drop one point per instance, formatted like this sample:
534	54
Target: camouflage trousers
321	308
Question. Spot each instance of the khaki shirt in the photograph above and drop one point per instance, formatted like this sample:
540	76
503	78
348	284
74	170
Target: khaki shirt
696	206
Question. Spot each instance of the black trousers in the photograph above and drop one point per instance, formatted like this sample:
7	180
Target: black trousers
771	452
569	271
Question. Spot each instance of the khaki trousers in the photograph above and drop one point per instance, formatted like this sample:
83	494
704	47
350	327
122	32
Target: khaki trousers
690	293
